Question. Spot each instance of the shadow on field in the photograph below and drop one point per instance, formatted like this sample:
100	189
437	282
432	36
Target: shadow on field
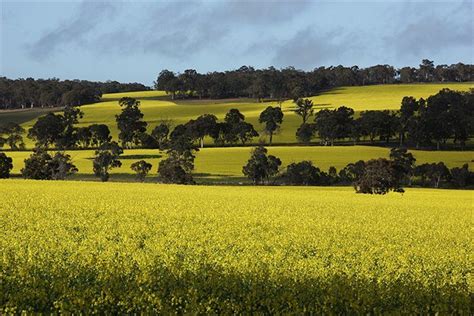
131	157
200	178
151	156
207	289
157	98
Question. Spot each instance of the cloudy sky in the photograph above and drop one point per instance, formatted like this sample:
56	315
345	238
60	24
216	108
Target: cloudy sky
132	41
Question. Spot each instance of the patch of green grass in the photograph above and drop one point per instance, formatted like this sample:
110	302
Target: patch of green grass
225	164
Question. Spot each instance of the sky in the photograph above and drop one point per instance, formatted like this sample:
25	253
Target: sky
132	41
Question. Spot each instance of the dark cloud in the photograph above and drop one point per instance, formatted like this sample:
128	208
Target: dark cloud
89	15
429	33
309	48
260	12
247	30
173	29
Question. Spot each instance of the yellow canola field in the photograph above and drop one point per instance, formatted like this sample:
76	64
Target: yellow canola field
87	247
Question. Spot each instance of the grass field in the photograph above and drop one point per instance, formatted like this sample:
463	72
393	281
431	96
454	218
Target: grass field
156	106
225	164
83	247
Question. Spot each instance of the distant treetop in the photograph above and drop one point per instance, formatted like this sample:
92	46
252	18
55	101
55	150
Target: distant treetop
34	93
291	83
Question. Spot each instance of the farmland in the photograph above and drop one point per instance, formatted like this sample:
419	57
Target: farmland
102	247
225	164
156	106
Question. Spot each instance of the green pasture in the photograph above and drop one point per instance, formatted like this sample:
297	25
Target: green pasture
382	97
156	107
225	164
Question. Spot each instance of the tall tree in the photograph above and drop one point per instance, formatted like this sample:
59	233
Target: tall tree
106	157
403	164
130	122
408	109
261	167
304	108
47	130
334	124
203	126
426	71
178	166
272	117
160	134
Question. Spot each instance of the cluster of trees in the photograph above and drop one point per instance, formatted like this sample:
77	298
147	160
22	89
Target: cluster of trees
376	176
290	83
59	131
446	115
31	93
231	130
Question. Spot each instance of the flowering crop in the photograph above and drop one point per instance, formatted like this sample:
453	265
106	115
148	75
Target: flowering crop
146	248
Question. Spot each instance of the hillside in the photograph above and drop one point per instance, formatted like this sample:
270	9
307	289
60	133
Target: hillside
157	106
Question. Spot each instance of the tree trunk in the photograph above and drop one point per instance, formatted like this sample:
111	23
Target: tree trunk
271	137
202	142
437	145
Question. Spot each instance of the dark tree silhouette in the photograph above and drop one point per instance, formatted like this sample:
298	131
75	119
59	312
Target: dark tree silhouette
130	122
141	168
6	165
261	167
106	158
272	117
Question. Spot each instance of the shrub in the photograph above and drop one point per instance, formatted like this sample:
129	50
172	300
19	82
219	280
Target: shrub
302	173
379	177
172	170
141	168
260	167
106	158
41	166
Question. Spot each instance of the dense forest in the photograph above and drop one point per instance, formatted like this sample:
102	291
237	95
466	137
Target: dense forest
31	93
290	83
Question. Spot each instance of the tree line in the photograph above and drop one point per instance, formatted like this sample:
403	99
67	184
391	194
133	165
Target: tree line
291	83
31	93
376	176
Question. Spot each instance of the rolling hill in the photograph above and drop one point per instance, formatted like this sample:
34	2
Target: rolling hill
157	106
